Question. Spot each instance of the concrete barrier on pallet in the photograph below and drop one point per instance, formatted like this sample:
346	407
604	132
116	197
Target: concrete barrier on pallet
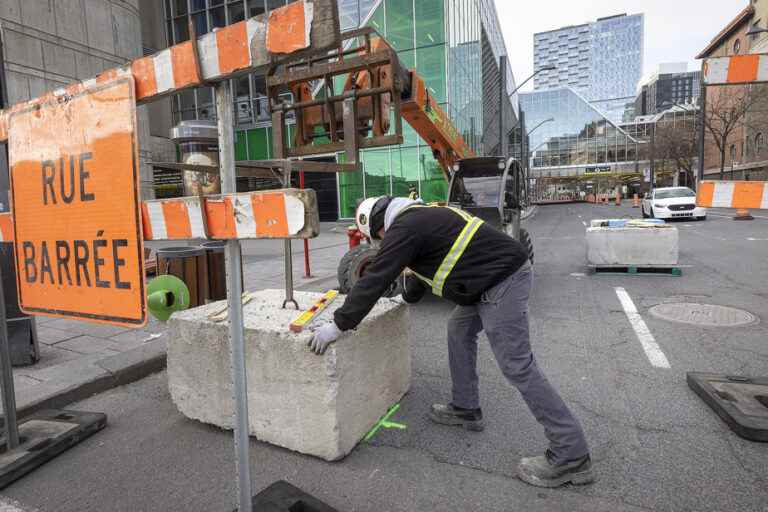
646	246
317	405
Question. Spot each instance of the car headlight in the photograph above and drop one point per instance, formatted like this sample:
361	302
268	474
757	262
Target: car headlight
659	206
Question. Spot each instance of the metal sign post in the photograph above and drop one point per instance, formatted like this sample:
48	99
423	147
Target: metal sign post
9	395
225	115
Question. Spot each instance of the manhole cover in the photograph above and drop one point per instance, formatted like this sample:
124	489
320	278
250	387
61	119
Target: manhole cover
703	314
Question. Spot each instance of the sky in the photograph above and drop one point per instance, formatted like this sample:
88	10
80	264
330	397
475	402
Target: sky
675	30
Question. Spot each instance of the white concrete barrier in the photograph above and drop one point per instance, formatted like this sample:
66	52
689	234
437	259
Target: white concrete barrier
633	246
317	405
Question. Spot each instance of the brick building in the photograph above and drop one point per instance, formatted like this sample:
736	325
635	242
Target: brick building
746	149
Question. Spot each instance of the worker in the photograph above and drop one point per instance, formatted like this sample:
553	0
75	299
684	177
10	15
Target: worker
488	275
413	192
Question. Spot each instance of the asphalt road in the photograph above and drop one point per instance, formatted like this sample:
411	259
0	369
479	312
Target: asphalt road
656	445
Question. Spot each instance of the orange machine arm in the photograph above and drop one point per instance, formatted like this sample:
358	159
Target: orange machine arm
433	125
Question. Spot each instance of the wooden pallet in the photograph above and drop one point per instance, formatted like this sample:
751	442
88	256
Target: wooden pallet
634	270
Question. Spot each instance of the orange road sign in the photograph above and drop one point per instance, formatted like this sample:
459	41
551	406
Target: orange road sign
76	216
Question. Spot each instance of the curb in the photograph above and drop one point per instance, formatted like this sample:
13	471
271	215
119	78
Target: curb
87	378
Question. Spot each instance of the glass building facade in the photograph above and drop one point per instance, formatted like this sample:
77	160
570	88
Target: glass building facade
579	135
602	61
579	148
438	38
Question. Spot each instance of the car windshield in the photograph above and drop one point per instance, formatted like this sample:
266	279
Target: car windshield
674	193
478	191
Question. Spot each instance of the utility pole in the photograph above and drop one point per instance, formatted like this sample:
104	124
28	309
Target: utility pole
502	101
702	129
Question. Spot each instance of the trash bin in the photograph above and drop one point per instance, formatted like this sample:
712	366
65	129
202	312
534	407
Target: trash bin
189	264
217	270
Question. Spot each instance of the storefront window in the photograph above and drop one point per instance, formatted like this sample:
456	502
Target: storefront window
376	167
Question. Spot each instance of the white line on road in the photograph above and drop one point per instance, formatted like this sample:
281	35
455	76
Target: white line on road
652	349
757	239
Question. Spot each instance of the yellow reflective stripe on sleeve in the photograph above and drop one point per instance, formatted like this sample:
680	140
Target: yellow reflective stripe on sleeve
452	258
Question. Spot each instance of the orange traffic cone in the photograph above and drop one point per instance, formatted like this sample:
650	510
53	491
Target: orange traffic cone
743	214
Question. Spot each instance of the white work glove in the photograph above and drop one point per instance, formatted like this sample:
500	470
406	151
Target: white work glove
324	335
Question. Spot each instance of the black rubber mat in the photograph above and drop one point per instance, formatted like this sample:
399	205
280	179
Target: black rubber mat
43	436
739	401
284	497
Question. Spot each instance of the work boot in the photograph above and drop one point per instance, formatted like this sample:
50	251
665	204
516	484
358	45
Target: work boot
470	419
543	472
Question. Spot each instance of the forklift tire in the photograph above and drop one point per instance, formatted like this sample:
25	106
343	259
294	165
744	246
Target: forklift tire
353	266
527	241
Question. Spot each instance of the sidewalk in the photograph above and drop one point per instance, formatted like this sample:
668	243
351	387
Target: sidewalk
79	359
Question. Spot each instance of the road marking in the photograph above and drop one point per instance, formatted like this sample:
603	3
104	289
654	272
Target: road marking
652	349
757	239
585	224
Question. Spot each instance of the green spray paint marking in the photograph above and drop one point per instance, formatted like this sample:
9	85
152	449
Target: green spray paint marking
385	423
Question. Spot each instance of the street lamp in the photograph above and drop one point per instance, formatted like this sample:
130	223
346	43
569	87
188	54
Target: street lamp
541	70
528	153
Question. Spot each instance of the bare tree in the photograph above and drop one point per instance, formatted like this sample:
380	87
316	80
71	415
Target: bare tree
676	142
726	113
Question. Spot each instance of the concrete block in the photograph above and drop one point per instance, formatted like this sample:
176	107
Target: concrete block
643	246
317	405
70	21
59	59
38	14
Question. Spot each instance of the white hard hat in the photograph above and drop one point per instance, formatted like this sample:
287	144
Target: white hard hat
363	215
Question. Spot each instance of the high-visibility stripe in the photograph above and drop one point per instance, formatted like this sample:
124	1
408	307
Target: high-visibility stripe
733	194
186	70
437	283
452	258
176	218
736	69
227	51
157	220
144	72
289	28
270	215
764	204
6	227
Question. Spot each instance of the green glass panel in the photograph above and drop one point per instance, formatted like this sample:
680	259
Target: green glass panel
434	186
377	20
259	144
405	170
376	166
430	22
241	150
430	63
350	190
400	24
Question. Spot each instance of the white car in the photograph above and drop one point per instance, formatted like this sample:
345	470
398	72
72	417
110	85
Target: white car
672	203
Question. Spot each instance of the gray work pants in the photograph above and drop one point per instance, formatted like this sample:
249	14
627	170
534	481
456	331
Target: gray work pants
503	314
